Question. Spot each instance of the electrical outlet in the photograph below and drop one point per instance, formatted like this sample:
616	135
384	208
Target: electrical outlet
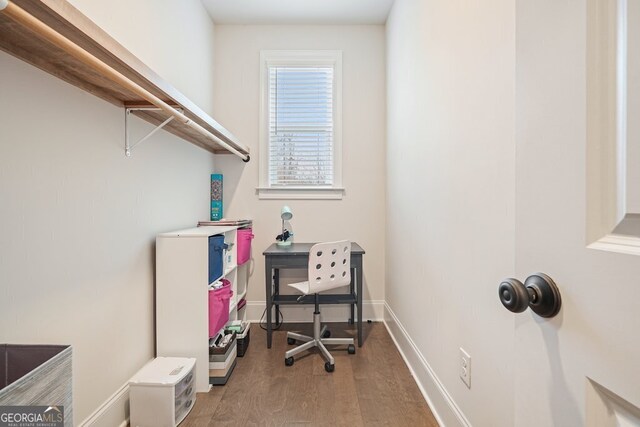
465	367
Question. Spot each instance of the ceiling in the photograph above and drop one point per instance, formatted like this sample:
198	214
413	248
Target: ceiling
298	11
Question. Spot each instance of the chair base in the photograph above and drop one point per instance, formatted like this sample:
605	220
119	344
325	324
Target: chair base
316	341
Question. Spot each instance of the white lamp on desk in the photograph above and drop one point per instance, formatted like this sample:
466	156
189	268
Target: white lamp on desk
284	239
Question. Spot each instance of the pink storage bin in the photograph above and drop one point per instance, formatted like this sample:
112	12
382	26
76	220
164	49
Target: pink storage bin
245	235
219	307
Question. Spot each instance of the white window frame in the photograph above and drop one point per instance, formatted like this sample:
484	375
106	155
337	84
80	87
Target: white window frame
293	58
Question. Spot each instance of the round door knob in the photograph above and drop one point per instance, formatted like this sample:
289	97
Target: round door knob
513	295
539	292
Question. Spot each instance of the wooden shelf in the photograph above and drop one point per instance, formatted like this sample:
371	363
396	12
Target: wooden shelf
63	18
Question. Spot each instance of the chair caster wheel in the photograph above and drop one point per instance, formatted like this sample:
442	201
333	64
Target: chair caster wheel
326	334
288	361
329	367
351	349
291	341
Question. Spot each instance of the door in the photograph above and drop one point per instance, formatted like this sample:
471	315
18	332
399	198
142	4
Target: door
581	367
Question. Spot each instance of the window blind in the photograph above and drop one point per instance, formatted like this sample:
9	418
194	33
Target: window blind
301	126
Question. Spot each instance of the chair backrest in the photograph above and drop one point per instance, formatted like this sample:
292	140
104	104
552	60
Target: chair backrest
329	265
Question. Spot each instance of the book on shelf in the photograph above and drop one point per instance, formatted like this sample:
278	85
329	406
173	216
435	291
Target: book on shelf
226	221
216	197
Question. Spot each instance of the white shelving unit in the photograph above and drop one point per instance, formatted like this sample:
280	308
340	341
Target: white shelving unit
182	300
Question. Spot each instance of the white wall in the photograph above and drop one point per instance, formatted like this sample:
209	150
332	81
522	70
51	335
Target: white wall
450	199
360	215
175	40
78	219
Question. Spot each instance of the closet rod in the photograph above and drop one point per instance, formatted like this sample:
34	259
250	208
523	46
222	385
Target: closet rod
25	19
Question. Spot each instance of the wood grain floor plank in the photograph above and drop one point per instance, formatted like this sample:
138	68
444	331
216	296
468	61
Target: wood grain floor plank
371	388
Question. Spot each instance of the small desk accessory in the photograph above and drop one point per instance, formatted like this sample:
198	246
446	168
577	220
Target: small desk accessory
285	238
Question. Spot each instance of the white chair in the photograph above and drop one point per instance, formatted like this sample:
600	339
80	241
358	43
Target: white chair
329	268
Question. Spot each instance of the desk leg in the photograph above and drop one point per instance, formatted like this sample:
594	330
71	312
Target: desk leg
268	279
359	298
352	286
276	286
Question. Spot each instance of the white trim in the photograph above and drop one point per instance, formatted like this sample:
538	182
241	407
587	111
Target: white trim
113	412
616	243
611	169
604	408
622	110
442	405
300	58
300	193
303	313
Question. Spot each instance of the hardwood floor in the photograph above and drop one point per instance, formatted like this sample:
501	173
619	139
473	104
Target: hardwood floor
371	388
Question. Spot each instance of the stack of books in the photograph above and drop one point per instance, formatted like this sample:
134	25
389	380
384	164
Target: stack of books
228	222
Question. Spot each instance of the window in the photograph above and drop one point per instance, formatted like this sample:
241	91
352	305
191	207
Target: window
300	131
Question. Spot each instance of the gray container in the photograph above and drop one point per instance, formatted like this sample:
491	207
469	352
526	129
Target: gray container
221	354
37	375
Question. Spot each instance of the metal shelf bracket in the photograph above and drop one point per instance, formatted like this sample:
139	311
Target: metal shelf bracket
127	111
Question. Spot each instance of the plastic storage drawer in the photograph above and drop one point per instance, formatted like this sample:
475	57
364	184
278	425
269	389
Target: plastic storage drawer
162	393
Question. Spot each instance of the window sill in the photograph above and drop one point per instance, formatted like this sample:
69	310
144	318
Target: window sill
300	193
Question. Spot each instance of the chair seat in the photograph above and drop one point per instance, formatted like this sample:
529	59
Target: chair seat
301	286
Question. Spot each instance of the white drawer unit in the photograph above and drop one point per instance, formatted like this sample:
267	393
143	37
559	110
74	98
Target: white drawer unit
163	392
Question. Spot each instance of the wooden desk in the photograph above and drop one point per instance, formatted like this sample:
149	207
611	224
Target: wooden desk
297	256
